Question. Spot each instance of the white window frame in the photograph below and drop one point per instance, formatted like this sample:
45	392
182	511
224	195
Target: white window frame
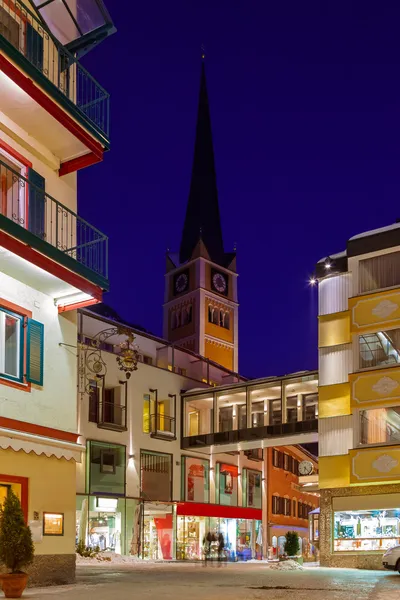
19	319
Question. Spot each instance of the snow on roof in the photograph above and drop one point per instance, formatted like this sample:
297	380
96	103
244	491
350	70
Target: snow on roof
333	256
375	231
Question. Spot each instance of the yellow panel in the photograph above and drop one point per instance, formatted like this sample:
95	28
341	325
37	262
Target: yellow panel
373	465
334	400
219	354
334	471
375	312
375	388
52	488
334	329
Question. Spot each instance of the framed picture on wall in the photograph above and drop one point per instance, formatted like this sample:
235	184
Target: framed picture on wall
53	523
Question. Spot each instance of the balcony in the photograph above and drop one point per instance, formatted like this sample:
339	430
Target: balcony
162	427
111	416
251	434
28	43
32	216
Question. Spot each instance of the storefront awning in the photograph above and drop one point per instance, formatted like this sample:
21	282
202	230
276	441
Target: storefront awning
197	509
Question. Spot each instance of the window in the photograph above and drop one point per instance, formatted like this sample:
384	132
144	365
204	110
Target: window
227	484
379	272
210	313
251	488
291	409
257	414
310	407
295	466
366	530
287	507
380	425
156	475
275	412
106	468
147	360
13	349
294	507
287	462
195	479
279	505
275	457
107	461
379	349
146	413
11	345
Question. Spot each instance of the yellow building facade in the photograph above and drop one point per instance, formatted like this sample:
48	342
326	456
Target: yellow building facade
359	400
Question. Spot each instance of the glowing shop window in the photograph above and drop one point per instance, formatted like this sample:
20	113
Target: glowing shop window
366	530
53	523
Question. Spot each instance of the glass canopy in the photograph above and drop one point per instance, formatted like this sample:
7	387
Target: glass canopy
77	24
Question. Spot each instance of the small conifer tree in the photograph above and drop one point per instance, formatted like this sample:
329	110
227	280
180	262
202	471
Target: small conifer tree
292	545
16	545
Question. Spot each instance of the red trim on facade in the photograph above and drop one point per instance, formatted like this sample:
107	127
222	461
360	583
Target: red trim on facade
23	482
81	162
50	266
51	107
77	305
19	157
196	509
49	432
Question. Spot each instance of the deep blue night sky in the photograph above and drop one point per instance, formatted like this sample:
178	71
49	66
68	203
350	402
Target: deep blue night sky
304	103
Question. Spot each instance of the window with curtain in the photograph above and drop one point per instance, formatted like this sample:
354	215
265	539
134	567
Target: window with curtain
379	272
380	348
380	425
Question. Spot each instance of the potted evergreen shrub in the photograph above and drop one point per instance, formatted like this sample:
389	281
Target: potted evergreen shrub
16	546
292	546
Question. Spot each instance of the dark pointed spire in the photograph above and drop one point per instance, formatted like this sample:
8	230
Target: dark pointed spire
202	212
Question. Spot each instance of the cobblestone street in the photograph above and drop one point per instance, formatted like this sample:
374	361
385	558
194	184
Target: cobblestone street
233	581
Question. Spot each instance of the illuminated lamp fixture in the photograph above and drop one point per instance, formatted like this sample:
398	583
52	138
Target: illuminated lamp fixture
328	264
313	280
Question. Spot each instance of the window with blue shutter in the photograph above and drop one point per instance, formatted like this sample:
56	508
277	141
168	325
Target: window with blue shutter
36	207
34	47
35	352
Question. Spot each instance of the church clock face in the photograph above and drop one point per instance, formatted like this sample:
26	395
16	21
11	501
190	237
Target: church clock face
181	282
219	282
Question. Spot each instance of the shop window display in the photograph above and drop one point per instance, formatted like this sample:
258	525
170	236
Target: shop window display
100	523
366	530
158	534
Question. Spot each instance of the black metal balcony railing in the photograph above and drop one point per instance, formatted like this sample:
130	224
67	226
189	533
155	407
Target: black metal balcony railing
162	425
30	207
112	416
22	30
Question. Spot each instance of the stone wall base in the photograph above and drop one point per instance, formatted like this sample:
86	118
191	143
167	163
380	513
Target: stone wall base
353	561
52	569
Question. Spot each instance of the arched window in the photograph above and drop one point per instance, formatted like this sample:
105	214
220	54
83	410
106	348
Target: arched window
215	316
226	320
189	313
178	318
173	320
210	313
221	318
183	316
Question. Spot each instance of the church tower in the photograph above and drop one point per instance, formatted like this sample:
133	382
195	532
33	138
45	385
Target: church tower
201	304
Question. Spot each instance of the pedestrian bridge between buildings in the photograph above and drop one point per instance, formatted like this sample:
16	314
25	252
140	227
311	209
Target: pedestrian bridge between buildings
276	411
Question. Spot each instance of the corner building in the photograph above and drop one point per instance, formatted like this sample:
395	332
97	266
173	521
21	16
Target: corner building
359	400
53	120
